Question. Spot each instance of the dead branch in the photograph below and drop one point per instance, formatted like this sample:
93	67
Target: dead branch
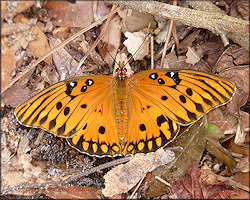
216	22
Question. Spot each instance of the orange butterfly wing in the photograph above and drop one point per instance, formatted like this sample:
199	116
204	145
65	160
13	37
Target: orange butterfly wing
183	95
160	100
74	108
84	110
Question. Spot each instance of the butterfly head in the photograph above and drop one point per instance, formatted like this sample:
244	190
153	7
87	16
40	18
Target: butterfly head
121	71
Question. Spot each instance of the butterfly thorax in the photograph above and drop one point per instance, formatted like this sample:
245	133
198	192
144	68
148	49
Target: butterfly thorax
121	101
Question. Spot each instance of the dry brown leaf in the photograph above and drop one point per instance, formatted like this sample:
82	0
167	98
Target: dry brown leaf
65	64
78	14
187	42
17	170
124	177
192	56
215	148
240	9
210	51
7	64
9	29
172	61
71	192
239	149
10	8
40	46
243	164
225	122
190	187
136	44
242	178
133	20
112	40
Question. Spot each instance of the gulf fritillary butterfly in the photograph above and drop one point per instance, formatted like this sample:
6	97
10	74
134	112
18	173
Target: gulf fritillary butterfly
104	116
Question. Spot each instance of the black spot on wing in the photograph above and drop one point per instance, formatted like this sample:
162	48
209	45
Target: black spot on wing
161	81
101	130
83	106
52	124
207	101
44	119
160	120
61	130
164	98
148	107
189	91
85	126
66	111
174	76
153	76
191	115
70	87
89	82
142	127
183	99
84	88
58	105
199	107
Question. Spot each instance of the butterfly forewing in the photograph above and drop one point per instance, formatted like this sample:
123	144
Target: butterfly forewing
183	95
64	107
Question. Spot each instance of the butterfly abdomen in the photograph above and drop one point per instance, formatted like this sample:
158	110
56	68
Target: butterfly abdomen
121	107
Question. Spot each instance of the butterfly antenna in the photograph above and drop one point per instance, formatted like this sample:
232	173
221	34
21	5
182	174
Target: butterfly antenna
150	33
105	47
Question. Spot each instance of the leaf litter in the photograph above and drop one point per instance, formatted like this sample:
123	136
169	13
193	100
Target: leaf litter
231	62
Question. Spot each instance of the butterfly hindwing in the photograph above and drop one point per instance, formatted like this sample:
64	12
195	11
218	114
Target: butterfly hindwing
148	127
98	136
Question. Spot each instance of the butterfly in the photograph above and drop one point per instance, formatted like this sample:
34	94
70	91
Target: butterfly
110	116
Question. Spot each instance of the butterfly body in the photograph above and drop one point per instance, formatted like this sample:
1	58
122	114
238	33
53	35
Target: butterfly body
105	116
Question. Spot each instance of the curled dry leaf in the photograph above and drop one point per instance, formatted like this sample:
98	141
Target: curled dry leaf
124	177
215	148
207	176
239	149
